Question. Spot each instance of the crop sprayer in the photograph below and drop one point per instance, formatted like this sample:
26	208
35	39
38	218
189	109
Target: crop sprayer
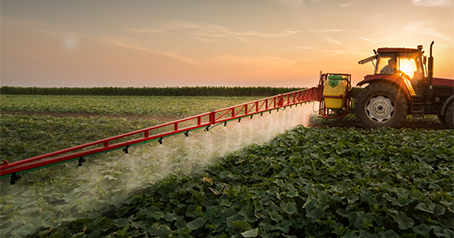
390	95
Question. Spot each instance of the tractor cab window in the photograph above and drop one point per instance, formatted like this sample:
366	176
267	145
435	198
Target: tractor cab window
408	64
411	66
386	64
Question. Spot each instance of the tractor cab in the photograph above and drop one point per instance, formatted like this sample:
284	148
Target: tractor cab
405	63
399	65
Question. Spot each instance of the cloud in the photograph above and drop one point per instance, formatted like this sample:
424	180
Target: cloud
349	4
412	29
267	61
163	53
215	31
423	27
144	30
257	61
292	4
336	42
330	30
203	31
305	47
432	3
366	39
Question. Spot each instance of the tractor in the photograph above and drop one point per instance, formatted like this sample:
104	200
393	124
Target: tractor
402	84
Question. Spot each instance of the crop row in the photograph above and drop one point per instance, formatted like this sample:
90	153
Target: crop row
151	91
120	105
309	182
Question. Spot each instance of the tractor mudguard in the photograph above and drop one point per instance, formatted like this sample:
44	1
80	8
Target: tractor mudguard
394	79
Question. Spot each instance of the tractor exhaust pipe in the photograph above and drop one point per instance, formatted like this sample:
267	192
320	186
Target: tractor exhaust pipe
430	71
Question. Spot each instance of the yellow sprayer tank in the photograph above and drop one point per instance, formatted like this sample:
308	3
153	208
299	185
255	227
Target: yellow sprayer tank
335	91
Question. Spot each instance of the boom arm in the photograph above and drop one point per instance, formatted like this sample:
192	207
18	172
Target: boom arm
205	120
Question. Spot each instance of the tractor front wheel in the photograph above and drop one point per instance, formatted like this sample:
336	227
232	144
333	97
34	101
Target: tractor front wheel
381	105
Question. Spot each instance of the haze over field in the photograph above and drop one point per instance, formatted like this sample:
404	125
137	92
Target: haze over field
159	43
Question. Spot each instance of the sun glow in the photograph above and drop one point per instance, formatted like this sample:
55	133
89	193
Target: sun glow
408	66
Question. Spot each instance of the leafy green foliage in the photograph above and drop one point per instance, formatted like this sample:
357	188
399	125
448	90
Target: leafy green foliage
42	198
50	197
27	136
307	182
151	91
120	105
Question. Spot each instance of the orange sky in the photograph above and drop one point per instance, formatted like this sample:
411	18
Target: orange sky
210	42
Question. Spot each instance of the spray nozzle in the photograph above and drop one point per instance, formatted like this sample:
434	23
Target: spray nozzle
126	149
81	160
186	133
160	140
225	123
14	178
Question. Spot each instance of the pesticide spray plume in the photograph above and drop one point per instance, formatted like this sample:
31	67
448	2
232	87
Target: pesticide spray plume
104	182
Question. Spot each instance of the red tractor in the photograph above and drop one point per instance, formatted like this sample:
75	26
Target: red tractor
403	84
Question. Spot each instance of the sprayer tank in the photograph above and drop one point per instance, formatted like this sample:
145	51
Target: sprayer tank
334	91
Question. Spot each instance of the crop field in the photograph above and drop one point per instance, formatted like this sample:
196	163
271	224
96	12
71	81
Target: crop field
176	107
306	182
26	136
264	177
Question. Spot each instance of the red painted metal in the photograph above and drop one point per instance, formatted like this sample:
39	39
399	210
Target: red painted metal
171	128
443	82
399	50
392	78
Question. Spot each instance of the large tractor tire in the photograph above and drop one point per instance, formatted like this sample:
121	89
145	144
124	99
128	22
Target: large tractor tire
381	105
449	115
442	119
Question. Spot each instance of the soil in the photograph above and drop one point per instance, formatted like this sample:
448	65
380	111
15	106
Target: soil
339	123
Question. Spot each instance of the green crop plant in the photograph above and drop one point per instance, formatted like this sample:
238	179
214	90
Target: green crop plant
177	107
311	182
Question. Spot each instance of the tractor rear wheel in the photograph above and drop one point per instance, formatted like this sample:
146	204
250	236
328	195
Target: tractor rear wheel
381	105
442	119
449	115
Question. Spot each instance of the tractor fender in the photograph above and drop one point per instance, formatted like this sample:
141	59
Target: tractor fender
393	79
445	104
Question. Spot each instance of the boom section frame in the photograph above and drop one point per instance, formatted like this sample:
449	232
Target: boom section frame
158	132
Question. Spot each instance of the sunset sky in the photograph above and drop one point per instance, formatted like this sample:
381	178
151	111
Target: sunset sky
160	43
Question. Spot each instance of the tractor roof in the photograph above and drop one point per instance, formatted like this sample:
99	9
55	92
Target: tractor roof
398	50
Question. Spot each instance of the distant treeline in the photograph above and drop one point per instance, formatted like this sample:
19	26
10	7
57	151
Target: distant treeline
151	91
